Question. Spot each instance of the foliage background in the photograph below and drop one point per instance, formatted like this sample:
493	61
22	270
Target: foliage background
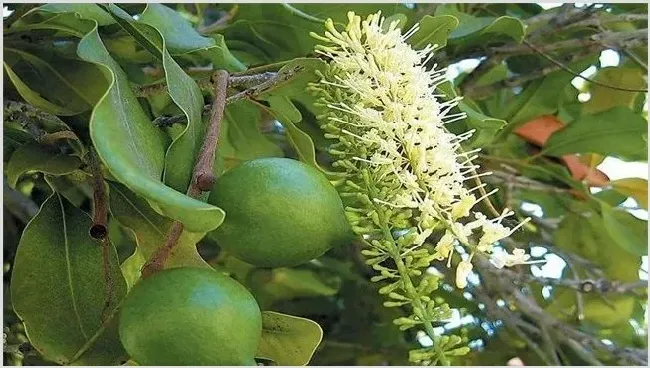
60	61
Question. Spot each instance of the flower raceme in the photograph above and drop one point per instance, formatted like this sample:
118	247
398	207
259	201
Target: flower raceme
404	171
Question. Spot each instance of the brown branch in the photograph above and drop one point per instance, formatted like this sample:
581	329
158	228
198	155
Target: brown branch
99	229
269	80
202	177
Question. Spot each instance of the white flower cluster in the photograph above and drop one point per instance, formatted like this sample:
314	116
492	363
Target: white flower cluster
389	121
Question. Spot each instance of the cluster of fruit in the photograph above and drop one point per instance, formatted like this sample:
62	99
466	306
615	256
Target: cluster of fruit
279	213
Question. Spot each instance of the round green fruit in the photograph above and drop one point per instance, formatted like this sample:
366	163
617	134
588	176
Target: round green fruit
279	213
190	316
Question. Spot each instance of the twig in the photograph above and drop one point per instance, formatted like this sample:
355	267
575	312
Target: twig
577	74
202	177
248	81
99	229
577	43
479	92
503	281
522	182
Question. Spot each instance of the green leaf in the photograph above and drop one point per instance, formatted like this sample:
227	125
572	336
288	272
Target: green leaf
486	127
38	19
150	231
181	38
611	197
35	157
603	98
627	231
62	82
182	153
636	188
240	138
88	11
434	31
540	97
285	111
288	340
588	236
133	148
58	288
289	283
268	33
617	131
34	98
481	30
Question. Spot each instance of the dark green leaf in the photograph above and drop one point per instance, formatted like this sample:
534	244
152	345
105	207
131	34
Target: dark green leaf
240	138
35	157
59	291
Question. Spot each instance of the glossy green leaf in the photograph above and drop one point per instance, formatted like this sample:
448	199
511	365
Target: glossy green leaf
288	340
133	148
35	157
240	138
603	98
59	291
540	97
274	32
284	110
150	231
617	132
88	11
181	38
627	231
479	30
68	23
182	153
434	31
60	81
33	97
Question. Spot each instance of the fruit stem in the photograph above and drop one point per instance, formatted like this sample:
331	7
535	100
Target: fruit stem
202	178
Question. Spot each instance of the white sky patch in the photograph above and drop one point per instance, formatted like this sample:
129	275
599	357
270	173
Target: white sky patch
6	12
609	58
533	209
619	169
463	66
578	82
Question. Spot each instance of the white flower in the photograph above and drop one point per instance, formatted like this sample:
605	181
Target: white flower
389	121
463	270
518	257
